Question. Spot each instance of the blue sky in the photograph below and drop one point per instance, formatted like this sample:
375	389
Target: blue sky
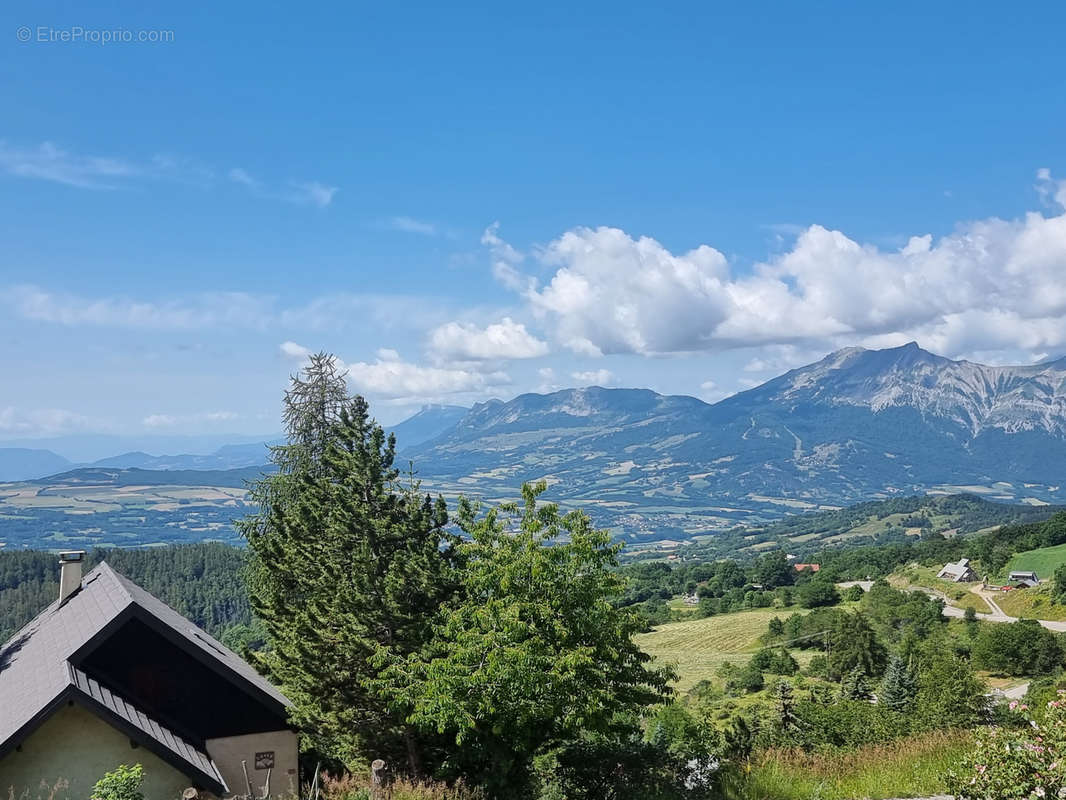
470	201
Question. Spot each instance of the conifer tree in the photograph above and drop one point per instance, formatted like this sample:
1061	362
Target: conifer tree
855	686
785	720
347	562
899	686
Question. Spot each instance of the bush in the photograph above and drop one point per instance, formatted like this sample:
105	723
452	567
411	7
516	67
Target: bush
1018	648
1017	763
122	783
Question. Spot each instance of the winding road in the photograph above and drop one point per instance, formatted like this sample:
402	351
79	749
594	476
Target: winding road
997	615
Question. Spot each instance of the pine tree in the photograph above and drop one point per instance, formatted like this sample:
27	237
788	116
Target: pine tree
346	571
855	686
899	686
785	720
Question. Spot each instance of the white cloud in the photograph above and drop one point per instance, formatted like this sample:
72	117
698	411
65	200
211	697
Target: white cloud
990	285
312	193
391	378
50	163
615	294
507	339
395	379
505	260
159	421
42	422
593	377
204	310
1049	189
411	225
200	311
238	175
294	351
548	382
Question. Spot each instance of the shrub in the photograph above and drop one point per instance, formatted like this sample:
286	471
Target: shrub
122	783
1019	648
1017	763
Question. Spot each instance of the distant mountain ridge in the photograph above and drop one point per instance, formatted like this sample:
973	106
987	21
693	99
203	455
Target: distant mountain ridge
857	425
975	396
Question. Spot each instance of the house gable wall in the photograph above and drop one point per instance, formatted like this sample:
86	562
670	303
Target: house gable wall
76	746
280	752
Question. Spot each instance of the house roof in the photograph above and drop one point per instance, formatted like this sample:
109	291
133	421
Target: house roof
39	667
956	567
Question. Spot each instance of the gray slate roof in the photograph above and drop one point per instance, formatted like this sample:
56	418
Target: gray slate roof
37	676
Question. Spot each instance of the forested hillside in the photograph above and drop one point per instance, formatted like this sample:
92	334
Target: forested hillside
202	581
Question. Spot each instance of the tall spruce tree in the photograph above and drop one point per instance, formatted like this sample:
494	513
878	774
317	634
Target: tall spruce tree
899	686
348	563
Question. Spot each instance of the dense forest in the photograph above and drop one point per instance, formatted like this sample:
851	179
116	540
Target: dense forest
202	581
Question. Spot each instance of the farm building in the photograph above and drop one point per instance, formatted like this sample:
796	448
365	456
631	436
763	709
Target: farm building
807	567
110	675
958	571
1023	578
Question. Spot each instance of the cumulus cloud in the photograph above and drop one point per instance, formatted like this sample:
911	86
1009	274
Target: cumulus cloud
396	379
296	352
506	339
389	377
593	377
990	285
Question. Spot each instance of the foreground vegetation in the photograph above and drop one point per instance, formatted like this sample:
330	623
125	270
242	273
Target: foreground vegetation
906	767
504	650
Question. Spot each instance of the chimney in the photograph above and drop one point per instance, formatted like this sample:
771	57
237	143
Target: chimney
70	573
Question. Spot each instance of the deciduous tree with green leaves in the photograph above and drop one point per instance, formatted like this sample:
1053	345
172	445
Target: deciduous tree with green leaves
349	564
531	653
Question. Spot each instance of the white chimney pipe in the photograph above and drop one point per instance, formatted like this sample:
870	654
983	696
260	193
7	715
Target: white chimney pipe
70	573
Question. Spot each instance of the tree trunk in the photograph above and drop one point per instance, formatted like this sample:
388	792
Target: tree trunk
414	758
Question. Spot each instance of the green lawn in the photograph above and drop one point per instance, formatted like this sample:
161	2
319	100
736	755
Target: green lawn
698	647
1043	561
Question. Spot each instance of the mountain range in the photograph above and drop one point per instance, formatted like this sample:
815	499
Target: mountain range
857	425
29	463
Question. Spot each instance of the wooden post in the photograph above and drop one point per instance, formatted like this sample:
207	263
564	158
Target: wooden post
377	779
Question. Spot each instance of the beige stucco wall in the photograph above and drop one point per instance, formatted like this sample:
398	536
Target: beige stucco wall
227	753
76	745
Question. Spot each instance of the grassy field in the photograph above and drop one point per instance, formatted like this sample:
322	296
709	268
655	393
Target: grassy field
910	767
1043	561
1034	603
958	594
698	647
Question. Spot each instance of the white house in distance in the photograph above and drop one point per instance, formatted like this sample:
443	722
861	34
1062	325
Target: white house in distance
110	675
958	572
1023	578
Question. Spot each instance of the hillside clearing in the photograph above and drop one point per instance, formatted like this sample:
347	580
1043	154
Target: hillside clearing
698	647
1043	561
